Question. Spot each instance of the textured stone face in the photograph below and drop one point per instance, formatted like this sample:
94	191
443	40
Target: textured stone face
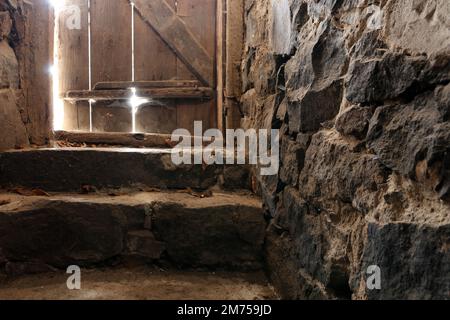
354	122
376	81
14	133
425	248
363	102
225	231
9	74
414	138
5	24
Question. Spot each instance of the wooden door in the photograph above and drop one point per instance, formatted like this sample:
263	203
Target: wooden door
157	42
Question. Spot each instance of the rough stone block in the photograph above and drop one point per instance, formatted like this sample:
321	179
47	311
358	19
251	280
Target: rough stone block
60	233
414	260
377	80
414	138
9	67
230	235
144	244
354	122
315	108
5	25
14	133
70	169
225	230
293	154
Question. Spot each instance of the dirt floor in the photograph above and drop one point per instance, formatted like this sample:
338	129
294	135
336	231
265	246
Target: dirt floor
140	283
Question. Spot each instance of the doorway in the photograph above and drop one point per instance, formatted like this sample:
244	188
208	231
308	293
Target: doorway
138	66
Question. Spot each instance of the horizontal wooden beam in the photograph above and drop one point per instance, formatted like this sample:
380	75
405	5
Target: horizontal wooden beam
115	139
116	85
155	93
130	140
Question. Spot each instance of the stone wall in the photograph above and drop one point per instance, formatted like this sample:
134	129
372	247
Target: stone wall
360	90
25	55
13	131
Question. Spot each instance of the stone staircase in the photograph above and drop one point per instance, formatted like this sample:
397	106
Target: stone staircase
68	169
101	206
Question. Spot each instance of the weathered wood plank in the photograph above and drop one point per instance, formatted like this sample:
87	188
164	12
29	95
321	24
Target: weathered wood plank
73	49
132	140
111	40
174	32
111	59
154	60
112	116
146	84
34	53
159	118
157	93
116	139
220	57
200	17
234	49
73	63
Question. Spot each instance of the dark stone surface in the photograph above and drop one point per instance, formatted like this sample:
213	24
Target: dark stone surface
236	177
223	231
414	260
367	80
230	235
61	233
70	169
370	45
143	243
315	108
414	138
306	252
314	80
354	122
335	170
377	80
293	154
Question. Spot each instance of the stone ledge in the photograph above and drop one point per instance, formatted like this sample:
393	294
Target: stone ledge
225	231
69	169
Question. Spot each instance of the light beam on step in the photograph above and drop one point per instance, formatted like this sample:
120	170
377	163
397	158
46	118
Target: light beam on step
135	102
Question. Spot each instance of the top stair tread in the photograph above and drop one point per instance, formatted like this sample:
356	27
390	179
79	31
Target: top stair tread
13	202
69	169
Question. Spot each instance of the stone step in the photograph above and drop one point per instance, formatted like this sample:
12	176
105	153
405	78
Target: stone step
140	283
223	231
69	169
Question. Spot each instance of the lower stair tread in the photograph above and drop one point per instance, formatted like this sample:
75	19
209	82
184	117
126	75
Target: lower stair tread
221	230
140	283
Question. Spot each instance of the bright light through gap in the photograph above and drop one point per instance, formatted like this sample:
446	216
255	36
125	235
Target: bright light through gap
135	102
58	104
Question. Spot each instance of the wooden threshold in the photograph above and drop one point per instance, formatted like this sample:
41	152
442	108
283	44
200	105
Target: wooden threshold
123	85
139	140
130	140
151	93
